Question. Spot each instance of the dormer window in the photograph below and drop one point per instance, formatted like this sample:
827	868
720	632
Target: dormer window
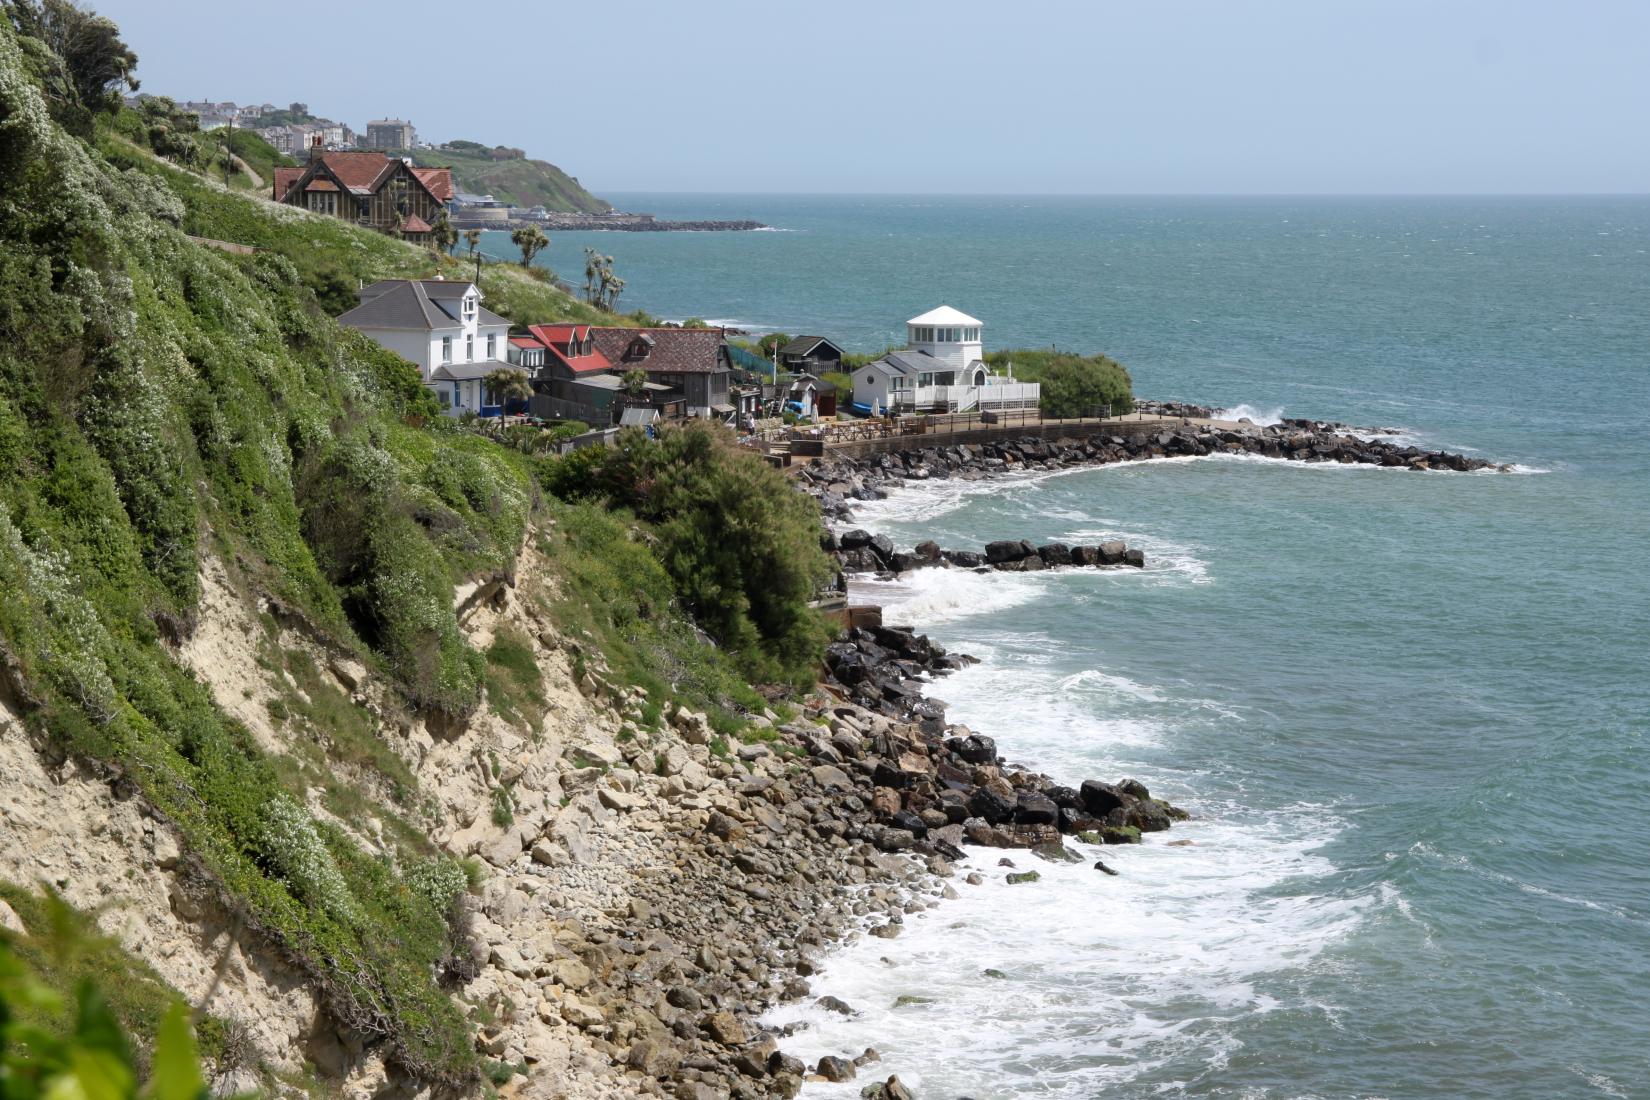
469	306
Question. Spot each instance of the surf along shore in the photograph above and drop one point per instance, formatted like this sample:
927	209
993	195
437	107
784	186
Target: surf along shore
931	788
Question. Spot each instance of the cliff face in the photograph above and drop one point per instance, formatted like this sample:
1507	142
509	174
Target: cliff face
329	717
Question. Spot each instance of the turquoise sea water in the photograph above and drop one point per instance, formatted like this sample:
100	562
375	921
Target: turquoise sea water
1410	711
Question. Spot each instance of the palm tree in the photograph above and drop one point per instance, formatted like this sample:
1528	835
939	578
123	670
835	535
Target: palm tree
531	240
443	235
508	384
472	238
634	382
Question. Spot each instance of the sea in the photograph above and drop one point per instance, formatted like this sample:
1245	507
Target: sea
1409	711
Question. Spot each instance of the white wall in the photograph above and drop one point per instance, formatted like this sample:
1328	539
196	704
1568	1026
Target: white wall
415	347
955	356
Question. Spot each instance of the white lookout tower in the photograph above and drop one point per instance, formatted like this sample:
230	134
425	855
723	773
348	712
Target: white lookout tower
949	335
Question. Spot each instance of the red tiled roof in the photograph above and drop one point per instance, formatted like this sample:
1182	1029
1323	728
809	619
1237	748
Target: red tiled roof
284	178
672	351
415	224
555	339
438	180
525	342
364	173
319	184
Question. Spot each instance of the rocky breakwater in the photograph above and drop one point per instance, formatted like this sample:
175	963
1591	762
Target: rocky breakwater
859	551
841	482
935	786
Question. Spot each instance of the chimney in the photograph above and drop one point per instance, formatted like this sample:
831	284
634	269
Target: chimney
315	148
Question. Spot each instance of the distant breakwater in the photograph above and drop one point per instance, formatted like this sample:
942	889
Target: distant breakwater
616	222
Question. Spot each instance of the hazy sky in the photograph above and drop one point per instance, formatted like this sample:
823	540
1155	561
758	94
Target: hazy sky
1019	96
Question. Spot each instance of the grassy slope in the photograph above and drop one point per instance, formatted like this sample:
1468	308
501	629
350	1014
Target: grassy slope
160	401
522	182
333	257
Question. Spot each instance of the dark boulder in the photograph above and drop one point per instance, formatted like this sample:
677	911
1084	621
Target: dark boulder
1033	808
1136	558
1149	816
910	822
1055	553
1133	788
927	551
853	540
1100	799
1007	550
974	749
1111	553
993	807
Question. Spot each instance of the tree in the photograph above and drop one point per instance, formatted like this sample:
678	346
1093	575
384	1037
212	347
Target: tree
472	238
771	341
634	382
531	240
738	540
443	235
1073	385
92	63
601	287
508	384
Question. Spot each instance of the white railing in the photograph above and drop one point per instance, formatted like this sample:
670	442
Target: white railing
1006	395
1010	395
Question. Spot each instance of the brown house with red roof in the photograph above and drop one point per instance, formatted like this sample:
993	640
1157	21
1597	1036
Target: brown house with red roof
693	361
384	193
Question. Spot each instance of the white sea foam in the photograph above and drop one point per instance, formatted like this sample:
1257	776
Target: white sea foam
1262	417
1104	978
928	597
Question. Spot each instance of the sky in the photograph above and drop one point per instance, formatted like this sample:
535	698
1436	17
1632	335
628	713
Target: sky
960	96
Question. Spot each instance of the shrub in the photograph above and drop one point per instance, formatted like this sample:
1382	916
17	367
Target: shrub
1072	385
739	542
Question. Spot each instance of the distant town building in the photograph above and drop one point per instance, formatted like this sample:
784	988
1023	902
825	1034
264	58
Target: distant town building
469	209
441	328
388	194
390	133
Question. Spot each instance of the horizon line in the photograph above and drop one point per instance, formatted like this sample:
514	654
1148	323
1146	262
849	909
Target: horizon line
1153	194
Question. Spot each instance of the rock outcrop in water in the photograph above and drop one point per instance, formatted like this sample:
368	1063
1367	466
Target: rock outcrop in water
859	551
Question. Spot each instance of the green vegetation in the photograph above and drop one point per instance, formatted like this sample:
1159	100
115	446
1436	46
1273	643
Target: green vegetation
739	543
152	390
62	952
510	176
162	402
601	287
612	590
531	240
64	1020
514	686
1073	385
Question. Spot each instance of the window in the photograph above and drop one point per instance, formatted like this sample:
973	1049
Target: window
366	208
492	345
925	380
446	349
469	305
469	349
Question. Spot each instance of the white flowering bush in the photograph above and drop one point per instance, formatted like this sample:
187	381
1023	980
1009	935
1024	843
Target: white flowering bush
75	647
439	881
289	840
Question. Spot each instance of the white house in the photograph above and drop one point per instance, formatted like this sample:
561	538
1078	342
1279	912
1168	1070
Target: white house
941	369
443	330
